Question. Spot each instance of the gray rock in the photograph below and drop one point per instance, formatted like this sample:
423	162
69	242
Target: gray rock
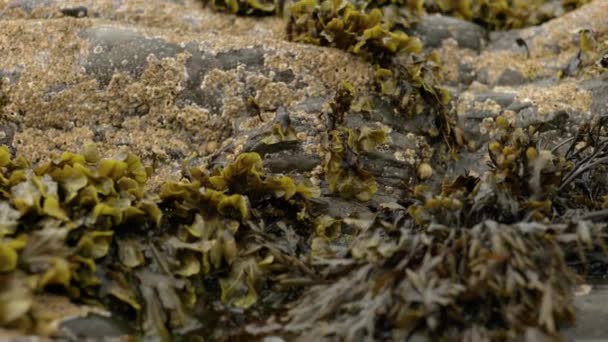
256	145
433	29
516	106
572	67
527	116
511	77
95	327
115	49
285	76
338	207
7	133
466	74
483	76
311	104
507	40
201	62
383	164
288	162
503	99
591	314
599	91
28	5
76	12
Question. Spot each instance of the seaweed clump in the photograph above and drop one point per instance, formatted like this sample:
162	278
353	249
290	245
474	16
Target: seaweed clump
343	170
59	222
503	15
488	258
376	32
87	228
490	282
522	184
244	7
364	31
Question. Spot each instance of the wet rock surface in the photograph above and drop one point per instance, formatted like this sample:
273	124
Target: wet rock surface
591	312
435	28
167	79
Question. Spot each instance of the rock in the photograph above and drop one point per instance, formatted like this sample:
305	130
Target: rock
511	77
288	163
11	75
7	133
590	308
184	17
95	327
599	91
433	29
503	99
114	49
483	76
28	5
466	73
134	86
76	12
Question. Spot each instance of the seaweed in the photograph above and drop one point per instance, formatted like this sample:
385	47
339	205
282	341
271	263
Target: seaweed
281	130
245	7
502	15
88	228
487	258
375	31
446	266
343	171
445	283
348	26
523	184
